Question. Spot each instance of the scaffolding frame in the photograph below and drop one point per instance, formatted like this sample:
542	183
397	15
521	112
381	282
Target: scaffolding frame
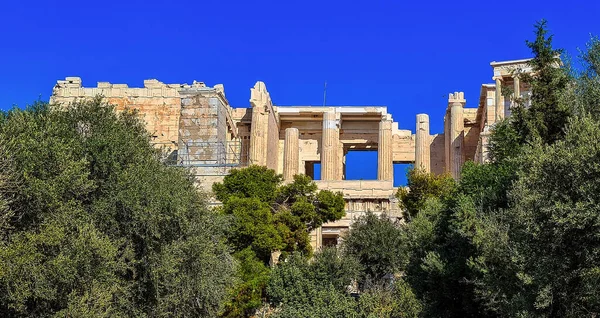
209	154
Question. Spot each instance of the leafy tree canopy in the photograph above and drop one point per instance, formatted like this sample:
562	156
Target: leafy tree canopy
268	215
97	226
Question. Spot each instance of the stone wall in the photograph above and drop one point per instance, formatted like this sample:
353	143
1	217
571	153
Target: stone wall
202	128
403	146
158	104
437	152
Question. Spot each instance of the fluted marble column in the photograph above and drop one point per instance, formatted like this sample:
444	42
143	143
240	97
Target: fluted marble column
422	152
329	147
385	164
456	102
484	138
291	154
517	88
258	138
499	104
259	129
447	142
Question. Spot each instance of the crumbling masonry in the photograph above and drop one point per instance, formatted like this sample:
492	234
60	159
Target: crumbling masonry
203	132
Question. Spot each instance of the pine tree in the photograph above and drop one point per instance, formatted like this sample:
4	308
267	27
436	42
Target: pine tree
548	113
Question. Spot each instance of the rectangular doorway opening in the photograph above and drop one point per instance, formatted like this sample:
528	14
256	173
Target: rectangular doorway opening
330	240
400	173
313	169
361	165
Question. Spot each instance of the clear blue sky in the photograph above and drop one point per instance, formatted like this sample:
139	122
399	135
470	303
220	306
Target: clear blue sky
407	55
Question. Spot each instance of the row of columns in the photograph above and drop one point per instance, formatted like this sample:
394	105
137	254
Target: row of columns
331	156
500	111
331	150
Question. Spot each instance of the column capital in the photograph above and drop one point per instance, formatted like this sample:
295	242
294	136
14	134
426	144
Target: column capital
422	118
385	124
386	117
456	99
292	130
331	119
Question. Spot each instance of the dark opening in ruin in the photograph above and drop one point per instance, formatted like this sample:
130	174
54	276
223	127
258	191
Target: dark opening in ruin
330	240
313	169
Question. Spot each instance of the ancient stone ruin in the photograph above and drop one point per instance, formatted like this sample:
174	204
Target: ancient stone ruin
203	132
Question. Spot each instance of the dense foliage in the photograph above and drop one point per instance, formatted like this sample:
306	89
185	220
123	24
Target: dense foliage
516	237
94	225
423	186
378	244
319	288
268	216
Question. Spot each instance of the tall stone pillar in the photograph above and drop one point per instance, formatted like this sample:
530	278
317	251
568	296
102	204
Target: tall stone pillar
385	163
484	138
456	102
517	88
499	104
447	142
291	154
259	128
330	163
422	152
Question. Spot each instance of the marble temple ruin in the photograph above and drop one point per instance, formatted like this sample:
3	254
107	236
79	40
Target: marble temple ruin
203	132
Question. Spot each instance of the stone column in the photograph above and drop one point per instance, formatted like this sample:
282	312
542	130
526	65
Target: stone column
258	137
422	152
499	104
484	138
329	147
447	142
259	129
291	154
456	102
517	88
385	163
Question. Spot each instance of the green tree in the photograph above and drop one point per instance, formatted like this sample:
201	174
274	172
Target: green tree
440	246
268	216
299	288
517	237
421	187
549	236
378	244
250	291
99	226
586	92
488	185
548	112
395	301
